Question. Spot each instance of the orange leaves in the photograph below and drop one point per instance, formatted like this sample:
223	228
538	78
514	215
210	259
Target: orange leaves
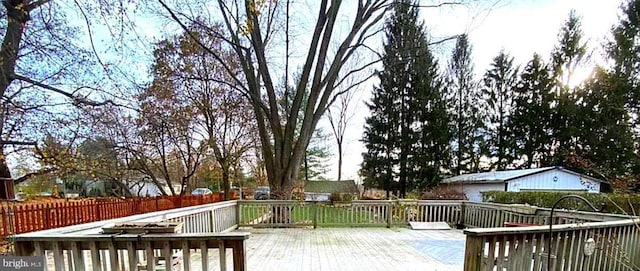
254	9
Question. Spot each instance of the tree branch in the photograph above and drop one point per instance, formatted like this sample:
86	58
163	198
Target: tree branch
18	143
33	174
76	99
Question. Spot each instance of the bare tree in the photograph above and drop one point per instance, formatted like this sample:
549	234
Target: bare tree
43	71
250	29
339	116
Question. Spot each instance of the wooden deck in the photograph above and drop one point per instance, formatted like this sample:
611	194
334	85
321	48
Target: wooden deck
338	249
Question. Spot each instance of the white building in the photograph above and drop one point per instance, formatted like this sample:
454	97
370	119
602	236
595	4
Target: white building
537	179
144	187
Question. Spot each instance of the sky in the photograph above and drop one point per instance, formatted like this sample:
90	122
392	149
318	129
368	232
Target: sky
521	28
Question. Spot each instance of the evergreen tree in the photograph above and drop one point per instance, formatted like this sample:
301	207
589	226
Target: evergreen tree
531	113
465	114
314	165
566	57
379	138
431	153
606	143
407	103
608	102
624	50
499	82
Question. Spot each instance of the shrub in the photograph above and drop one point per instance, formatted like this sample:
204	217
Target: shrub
611	203
347	197
95	192
444	192
335	197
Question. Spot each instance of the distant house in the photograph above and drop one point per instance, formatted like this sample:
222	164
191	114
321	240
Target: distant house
139	186
322	190
145	187
536	179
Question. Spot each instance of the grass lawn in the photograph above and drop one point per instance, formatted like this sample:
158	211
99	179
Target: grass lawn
327	214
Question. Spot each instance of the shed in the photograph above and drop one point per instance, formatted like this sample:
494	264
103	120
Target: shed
322	190
535	179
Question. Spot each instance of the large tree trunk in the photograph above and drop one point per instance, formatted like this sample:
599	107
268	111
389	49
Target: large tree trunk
17	17
403	174
339	161
225	183
6	182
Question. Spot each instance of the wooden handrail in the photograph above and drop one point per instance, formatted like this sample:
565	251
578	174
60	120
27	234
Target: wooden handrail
203	230
545	228
103	239
148	245
617	247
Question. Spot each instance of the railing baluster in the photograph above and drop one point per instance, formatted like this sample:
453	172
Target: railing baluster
204	254
114	262
151	257
502	242
58	257
223	255
491	253
167	253
132	256
186	256
95	257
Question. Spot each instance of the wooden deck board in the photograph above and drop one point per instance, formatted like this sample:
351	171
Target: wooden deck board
346	249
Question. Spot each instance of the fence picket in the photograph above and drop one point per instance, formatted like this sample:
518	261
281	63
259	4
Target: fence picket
29	217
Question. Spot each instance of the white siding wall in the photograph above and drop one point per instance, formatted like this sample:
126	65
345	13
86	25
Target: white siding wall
472	191
143	189
553	180
308	196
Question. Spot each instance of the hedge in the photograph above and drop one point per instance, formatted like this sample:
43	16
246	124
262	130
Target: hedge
610	203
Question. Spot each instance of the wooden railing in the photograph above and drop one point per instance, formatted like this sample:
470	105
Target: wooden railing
491	215
617	239
616	246
16	218
449	211
277	213
132	251
280	213
220	217
83	247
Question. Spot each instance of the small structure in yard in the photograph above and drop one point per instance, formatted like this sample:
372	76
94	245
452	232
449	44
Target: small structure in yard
536	179
323	190
145	187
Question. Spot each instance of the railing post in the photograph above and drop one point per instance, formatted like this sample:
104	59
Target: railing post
463	206
239	255
212	222
389	214
473	253
238	212
315	214
24	248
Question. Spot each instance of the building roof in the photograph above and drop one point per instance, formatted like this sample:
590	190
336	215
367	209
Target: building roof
346	186
506	175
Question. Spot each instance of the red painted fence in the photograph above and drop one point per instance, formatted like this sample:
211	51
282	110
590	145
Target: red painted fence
21	218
